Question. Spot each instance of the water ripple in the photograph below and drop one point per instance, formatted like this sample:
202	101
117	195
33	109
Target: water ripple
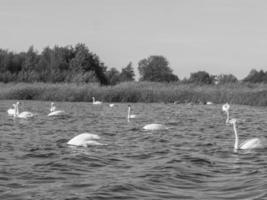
193	159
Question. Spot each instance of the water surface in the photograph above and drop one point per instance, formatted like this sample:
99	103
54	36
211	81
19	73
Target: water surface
193	159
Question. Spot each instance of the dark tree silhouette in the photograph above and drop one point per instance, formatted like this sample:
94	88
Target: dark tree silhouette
156	68
201	77
127	73
60	64
256	76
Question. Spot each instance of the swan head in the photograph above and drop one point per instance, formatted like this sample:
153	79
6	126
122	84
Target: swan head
226	107
232	121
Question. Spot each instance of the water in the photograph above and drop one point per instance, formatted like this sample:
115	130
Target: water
193	159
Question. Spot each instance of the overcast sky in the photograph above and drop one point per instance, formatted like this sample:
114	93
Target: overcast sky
217	36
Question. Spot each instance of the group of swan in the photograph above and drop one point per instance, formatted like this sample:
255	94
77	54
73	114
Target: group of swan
26	114
252	143
148	127
86	139
100	103
16	113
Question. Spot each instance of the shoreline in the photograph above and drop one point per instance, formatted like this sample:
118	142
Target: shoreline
143	92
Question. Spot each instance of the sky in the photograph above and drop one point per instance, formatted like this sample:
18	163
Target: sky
216	36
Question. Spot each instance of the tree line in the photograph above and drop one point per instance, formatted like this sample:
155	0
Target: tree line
78	65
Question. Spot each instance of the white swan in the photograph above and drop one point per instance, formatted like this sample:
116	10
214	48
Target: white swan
226	108
12	111
84	140
252	143
130	116
153	127
96	102
52	107
24	114
111	105
54	112
209	103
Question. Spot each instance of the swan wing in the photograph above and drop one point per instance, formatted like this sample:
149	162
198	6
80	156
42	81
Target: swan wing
251	144
132	116
57	113
154	127
84	139
26	114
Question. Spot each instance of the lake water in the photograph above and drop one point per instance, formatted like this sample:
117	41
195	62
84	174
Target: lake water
193	159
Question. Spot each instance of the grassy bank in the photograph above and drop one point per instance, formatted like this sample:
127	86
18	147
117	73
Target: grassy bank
253	94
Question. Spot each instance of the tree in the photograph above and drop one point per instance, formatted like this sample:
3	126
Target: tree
113	76
86	61
256	76
156	68
201	77
58	64
225	78
28	72
127	73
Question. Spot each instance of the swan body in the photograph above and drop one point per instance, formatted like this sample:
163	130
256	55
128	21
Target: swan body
153	127
226	108
209	103
12	111
252	143
54	111
96	102
130	116
111	105
24	114
84	140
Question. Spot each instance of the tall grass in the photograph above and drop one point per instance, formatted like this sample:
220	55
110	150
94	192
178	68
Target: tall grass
247	94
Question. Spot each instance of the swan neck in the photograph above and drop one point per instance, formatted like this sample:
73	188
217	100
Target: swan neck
129	112
227	116
16	110
236	137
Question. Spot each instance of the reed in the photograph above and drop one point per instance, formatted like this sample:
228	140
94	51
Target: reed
238	93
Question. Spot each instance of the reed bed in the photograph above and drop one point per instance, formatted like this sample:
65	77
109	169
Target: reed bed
238	93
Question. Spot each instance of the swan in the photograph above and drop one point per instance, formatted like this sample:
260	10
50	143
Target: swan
153	127
111	105
52	107
84	140
12	111
130	116
96	102
24	114
209	103
252	143
54	112
226	108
